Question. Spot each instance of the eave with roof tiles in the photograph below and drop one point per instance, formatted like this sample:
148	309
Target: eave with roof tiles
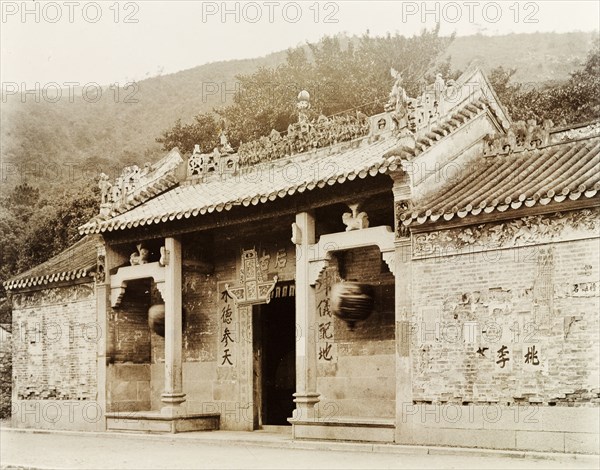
557	172
77	263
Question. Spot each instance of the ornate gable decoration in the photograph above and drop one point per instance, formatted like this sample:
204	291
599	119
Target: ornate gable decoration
521	136
581	132
422	112
253	288
136	184
222	160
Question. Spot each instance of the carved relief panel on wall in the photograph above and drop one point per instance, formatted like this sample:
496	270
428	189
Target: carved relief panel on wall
253	287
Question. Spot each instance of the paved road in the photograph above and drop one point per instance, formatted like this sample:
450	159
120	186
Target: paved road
64	451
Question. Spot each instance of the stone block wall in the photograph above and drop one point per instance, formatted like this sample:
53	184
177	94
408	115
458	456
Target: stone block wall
356	369
55	338
508	324
504	340
128	387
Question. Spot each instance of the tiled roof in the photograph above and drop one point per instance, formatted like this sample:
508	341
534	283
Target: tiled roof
76	262
472	97
146	193
560	171
261	183
279	178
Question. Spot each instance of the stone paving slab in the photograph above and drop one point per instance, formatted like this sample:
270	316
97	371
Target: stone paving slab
85	450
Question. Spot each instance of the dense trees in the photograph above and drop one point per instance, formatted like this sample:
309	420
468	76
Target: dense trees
35	228
340	75
267	97
576	100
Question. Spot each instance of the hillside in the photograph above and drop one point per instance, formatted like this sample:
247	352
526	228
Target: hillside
538	57
53	143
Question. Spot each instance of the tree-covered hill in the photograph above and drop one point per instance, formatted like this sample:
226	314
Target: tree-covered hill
53	152
51	143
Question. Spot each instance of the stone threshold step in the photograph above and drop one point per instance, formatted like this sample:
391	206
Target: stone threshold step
154	421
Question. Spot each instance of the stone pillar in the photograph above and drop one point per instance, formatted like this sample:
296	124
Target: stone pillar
113	258
306	395
173	395
403	310
104	341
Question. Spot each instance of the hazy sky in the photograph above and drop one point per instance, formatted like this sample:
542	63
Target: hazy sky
109	42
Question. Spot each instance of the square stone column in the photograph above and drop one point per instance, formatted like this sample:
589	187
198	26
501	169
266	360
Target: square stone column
173	395
403	309
102	282
306	395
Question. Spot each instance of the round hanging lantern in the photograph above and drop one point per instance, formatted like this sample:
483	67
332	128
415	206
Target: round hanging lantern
352	302
156	319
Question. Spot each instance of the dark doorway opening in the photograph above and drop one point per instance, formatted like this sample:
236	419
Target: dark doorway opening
274	361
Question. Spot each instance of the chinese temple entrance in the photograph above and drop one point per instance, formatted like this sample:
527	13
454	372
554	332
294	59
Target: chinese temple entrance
274	361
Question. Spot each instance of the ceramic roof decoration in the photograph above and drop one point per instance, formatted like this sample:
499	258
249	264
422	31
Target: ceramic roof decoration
325	151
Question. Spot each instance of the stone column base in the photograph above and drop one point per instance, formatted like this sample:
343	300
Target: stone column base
172	404
305	405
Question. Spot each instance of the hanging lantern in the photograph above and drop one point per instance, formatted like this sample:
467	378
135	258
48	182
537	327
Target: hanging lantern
352	302
156	319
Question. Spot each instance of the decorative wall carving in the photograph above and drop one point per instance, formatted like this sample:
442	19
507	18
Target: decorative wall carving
100	274
54	295
578	133
253	288
200	164
402	231
518	232
426	109
355	220
397	103
220	161
134	182
414	114
141	256
521	136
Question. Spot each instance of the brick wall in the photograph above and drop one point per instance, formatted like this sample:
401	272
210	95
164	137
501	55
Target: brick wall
514	325
129	331
55	337
128	373
5	373
357	378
